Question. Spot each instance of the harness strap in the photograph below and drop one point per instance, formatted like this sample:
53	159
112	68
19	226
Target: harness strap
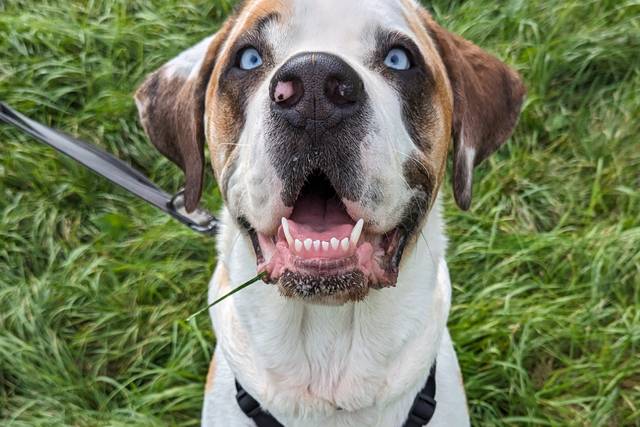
424	405
253	410
422	410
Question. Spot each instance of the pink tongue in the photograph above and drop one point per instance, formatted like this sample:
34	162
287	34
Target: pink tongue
322	218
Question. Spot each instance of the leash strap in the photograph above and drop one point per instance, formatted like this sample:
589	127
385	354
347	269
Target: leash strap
422	410
114	169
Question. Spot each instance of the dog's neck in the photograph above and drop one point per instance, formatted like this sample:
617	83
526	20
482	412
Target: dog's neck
300	359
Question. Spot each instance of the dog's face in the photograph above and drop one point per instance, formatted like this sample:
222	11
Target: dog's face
328	124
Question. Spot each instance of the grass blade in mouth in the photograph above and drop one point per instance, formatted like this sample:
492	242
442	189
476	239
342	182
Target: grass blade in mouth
237	289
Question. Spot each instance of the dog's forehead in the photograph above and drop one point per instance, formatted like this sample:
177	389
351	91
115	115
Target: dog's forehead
339	26
343	20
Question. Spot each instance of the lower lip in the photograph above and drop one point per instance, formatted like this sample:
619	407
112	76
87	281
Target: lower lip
325	266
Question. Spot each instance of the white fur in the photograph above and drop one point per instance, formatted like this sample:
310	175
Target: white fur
187	64
470	157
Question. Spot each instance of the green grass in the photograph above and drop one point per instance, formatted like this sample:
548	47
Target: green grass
95	286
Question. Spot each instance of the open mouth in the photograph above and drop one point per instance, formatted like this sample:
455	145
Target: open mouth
320	252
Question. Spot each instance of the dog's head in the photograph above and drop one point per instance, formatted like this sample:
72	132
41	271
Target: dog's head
328	124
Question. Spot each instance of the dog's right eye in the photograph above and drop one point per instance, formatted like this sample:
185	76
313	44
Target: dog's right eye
249	59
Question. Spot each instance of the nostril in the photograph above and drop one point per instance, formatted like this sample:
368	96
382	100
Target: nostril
283	91
342	92
287	93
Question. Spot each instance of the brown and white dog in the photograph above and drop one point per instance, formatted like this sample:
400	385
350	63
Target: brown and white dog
328	124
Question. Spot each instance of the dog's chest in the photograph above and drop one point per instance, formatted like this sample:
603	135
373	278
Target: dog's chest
339	357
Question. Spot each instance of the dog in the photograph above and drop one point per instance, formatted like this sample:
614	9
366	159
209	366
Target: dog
328	125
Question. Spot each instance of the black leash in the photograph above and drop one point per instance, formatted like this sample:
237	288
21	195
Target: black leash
422	410
114	169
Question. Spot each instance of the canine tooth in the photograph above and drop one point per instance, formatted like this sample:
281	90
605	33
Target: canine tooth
335	243
345	244
357	230
287	232
298	245
316	245
325	246
307	244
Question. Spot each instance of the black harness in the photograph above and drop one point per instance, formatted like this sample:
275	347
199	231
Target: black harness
421	412
122	174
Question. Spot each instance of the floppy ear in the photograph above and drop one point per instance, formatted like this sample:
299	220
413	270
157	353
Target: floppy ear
488	96
171	103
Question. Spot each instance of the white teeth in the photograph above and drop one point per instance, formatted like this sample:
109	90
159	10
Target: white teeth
345	244
355	233
335	243
287	232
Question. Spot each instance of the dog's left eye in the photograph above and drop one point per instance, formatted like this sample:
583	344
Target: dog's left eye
397	59
250	59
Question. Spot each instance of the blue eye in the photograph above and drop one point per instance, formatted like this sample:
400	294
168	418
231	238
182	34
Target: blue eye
250	59
397	59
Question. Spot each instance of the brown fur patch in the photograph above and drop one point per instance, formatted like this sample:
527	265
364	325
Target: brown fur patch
221	278
256	10
210	376
228	89
437	130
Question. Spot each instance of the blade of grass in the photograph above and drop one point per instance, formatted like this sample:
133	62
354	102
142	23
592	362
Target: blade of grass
238	289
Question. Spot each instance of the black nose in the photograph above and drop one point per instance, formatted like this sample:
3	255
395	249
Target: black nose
316	87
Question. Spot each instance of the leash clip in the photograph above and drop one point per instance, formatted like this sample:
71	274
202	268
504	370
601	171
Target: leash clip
199	220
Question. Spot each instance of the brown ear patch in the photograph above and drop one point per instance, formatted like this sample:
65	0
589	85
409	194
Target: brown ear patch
171	104
174	128
488	96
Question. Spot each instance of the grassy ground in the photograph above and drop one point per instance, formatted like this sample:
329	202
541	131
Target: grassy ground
95	286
